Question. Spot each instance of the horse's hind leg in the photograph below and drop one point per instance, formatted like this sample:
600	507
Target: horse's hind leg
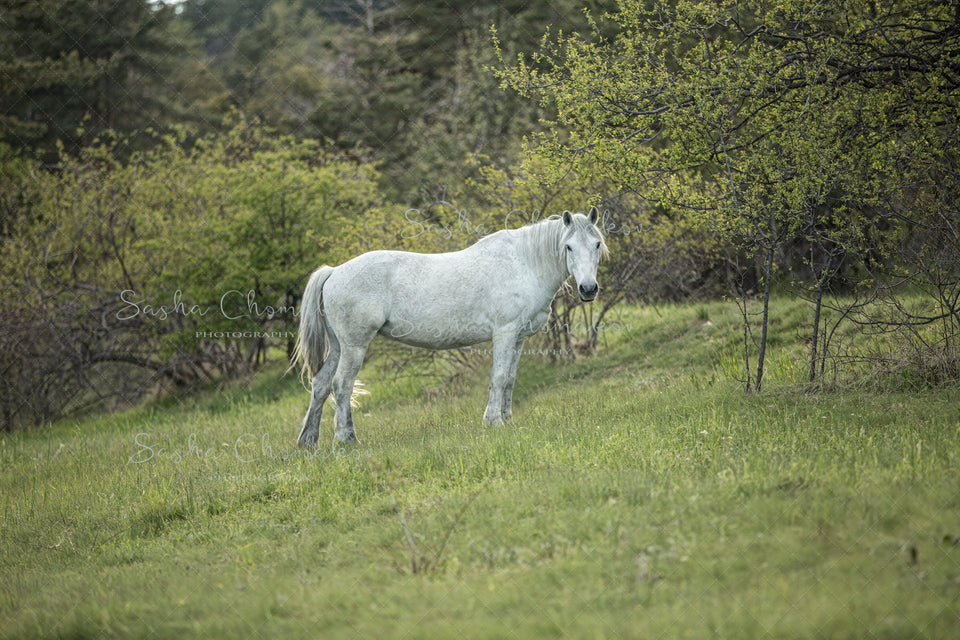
321	385
351	359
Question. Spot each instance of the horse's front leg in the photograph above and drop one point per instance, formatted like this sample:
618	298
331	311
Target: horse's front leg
506	410
505	357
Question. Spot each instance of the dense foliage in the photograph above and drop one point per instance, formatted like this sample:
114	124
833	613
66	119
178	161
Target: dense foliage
175	265
171	172
818	139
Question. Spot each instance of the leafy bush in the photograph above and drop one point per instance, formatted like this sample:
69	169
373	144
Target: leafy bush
181	265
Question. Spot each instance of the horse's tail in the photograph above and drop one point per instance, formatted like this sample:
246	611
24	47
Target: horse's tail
312	347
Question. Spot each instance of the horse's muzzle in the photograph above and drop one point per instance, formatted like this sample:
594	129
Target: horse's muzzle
588	291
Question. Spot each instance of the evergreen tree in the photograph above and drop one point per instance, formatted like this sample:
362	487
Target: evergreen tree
72	69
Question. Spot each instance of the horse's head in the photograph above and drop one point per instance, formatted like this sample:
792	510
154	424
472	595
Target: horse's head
583	246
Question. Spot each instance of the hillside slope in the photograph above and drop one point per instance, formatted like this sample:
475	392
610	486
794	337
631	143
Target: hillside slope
637	493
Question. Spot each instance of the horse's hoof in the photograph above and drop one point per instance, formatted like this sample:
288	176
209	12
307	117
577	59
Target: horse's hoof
350	438
308	441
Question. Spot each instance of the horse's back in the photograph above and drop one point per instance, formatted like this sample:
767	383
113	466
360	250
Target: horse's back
384	272
431	300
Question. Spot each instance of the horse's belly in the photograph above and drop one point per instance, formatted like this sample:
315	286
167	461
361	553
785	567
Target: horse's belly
433	334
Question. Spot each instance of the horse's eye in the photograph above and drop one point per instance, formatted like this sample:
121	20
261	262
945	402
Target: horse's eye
569	248
598	245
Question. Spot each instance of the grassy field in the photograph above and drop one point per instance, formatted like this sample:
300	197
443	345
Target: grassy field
637	494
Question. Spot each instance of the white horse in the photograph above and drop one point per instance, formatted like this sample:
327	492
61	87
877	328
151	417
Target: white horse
498	289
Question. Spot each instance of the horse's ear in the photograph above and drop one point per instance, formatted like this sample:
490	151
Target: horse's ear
594	214
567	218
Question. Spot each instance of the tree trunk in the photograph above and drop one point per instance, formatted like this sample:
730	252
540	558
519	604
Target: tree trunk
815	338
767	277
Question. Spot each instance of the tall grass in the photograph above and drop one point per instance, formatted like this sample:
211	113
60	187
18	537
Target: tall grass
638	493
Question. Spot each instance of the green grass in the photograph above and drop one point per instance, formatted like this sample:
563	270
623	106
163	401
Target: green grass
636	494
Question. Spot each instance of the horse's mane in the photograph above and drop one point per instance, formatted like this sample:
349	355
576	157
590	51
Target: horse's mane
544	240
